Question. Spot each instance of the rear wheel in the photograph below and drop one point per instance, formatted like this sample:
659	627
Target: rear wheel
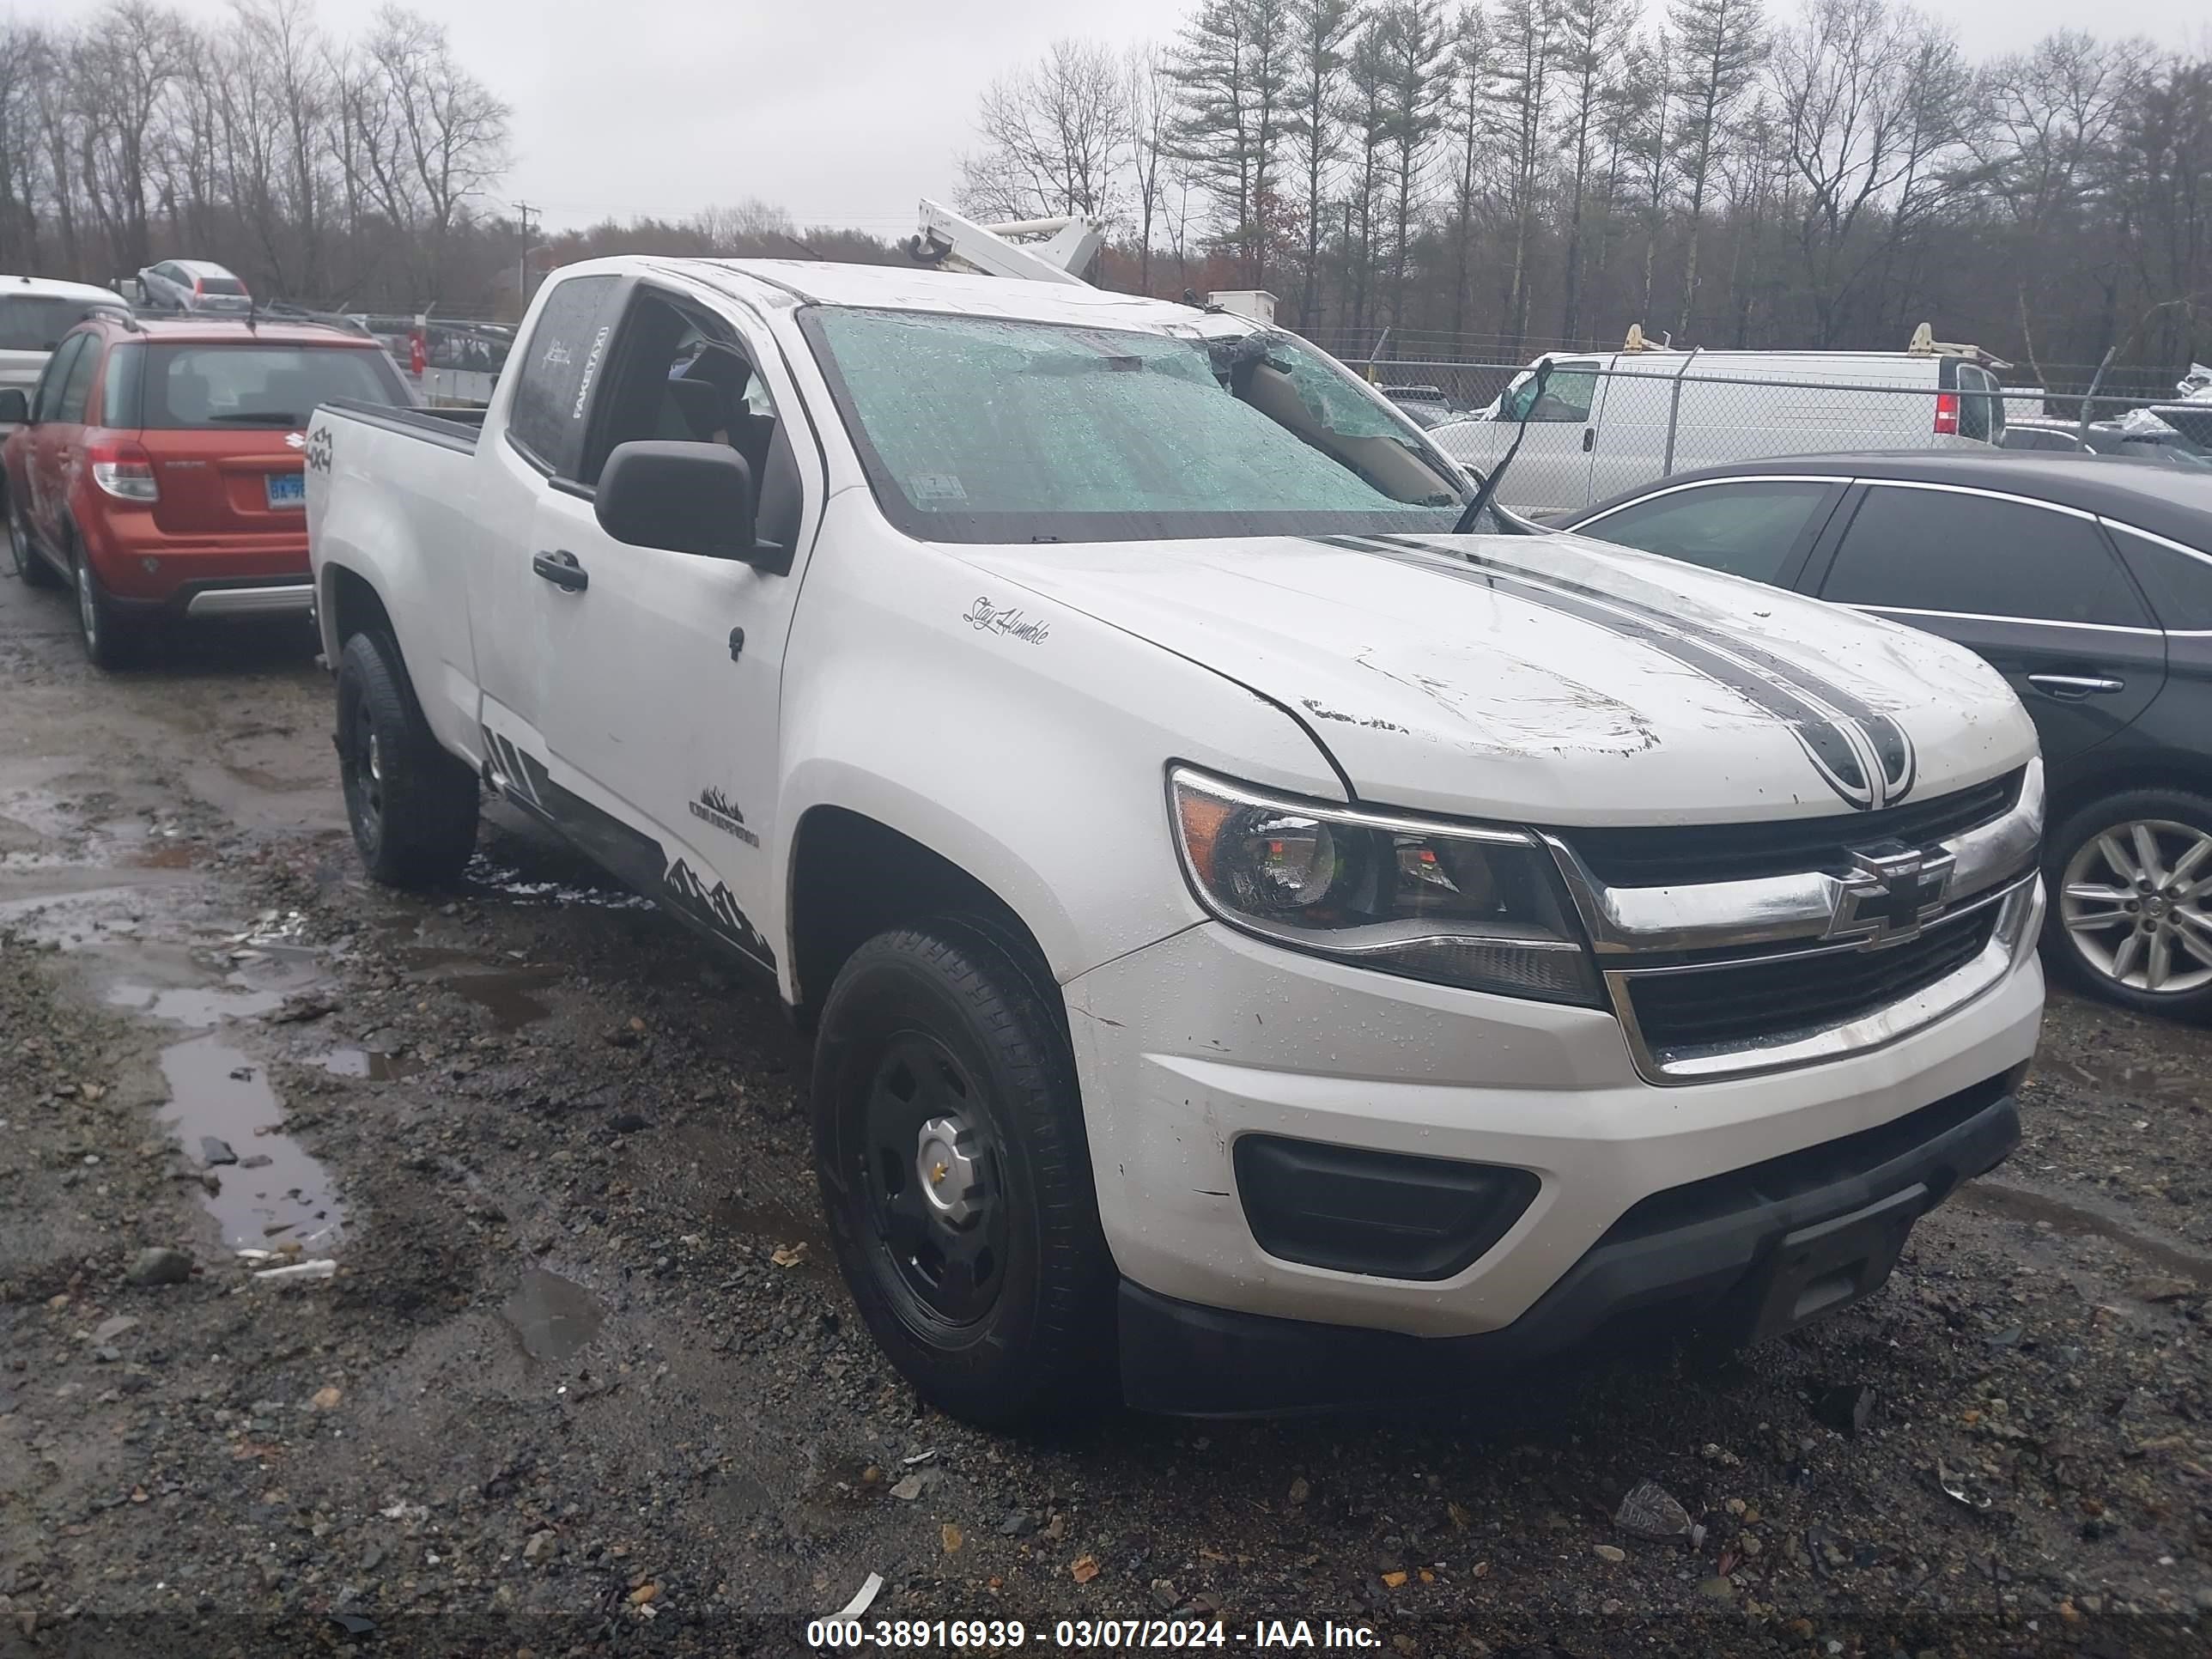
110	641
948	1138
412	805
2131	884
30	564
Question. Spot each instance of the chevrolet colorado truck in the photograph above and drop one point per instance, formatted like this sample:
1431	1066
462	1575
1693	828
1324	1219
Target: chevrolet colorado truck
1262	946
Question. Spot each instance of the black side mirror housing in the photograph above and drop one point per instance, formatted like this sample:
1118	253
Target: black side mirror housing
683	498
15	407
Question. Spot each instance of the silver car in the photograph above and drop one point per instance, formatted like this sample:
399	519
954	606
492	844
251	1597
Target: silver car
194	285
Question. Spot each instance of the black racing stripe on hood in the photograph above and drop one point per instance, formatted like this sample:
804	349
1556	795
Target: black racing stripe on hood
1833	754
1891	749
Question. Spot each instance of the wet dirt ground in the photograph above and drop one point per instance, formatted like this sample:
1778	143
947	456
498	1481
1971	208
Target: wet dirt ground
552	1362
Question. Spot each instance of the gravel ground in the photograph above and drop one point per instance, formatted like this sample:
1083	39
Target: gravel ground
579	1378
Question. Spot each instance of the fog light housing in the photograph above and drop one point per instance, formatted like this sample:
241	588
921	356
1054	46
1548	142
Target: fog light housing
1389	1215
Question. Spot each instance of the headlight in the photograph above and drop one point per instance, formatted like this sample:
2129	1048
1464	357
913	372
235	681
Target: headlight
1457	904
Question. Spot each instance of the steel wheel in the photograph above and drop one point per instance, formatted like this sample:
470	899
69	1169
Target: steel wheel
360	771
931	1184
2136	901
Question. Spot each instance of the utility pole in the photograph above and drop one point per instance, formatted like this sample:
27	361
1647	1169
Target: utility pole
522	263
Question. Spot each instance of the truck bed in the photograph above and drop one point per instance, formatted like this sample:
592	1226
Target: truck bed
452	428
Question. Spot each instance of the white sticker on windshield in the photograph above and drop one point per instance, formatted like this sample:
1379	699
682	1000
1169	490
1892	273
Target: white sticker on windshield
935	487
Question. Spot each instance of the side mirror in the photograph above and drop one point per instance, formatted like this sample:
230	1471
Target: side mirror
15	407
684	497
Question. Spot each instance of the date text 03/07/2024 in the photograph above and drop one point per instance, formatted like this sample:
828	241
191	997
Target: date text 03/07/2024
999	1635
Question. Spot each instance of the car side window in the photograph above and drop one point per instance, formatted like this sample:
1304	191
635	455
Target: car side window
1566	395
675	376
2179	584
1747	529
76	390
555	370
48	397
1950	551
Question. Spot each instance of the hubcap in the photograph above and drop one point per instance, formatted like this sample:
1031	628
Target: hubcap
2136	903
927	1173
364	776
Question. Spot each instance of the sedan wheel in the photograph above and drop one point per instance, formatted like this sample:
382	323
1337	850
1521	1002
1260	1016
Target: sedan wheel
2135	900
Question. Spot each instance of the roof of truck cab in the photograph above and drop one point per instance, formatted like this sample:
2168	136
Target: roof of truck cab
2168	501
913	288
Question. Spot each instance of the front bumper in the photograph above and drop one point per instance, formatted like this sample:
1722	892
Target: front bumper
1737	1256
1201	1040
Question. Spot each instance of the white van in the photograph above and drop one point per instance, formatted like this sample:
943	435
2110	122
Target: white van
34	313
1607	422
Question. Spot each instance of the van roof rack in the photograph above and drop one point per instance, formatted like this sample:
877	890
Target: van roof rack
1925	344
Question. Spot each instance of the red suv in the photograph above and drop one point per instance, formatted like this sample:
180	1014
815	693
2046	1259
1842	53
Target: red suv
159	466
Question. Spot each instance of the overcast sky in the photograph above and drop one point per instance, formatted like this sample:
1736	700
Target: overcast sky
843	111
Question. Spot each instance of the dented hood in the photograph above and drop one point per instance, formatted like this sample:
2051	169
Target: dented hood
1554	679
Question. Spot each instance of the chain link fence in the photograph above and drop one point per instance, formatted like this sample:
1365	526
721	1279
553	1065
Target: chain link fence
1597	429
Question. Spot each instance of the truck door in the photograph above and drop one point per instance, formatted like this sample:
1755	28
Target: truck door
1634	404
660	694
1552	473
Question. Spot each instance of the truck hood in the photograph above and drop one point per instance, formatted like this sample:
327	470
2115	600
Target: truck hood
1552	679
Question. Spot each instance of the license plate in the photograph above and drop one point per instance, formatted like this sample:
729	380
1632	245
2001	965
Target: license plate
287	490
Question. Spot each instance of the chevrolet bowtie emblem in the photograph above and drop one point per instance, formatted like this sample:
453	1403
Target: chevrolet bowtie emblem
1890	895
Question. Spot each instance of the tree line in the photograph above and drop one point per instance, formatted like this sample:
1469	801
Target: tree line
1512	174
327	171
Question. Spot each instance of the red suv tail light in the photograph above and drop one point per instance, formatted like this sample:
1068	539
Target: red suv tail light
125	471
1946	412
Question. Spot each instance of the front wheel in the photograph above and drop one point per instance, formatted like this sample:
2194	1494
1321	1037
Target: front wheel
2131	883
948	1139
413	806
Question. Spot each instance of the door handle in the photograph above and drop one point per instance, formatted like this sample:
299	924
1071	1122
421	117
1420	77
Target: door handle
2075	688
559	568
1590	439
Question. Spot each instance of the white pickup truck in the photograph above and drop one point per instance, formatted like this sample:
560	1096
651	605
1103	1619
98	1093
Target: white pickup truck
1262	947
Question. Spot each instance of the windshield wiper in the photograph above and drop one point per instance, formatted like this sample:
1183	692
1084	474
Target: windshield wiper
259	416
1473	516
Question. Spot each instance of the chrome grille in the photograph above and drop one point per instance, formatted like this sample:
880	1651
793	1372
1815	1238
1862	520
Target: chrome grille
1841	935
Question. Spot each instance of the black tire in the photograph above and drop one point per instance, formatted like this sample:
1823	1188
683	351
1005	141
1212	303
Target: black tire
111	640
412	805
2166	904
1030	1342
30	564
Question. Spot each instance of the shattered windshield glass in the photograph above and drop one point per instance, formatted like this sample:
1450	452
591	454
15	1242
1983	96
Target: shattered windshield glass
990	429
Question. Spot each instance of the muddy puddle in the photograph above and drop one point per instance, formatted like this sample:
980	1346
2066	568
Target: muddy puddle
2126	1082
2075	1221
552	1317
507	995
260	1184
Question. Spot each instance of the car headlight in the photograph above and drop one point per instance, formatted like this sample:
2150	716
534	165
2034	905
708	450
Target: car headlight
1456	905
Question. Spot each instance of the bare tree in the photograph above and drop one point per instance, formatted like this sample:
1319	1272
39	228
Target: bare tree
1150	114
1872	100
1055	135
1593	49
1231	67
1718	45
1319	32
1472	67
124	71
1520	95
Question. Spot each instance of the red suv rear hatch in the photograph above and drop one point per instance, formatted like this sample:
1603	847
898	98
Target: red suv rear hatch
223	423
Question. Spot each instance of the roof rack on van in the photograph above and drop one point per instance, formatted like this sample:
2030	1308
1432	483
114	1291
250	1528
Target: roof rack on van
1925	344
1635	342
